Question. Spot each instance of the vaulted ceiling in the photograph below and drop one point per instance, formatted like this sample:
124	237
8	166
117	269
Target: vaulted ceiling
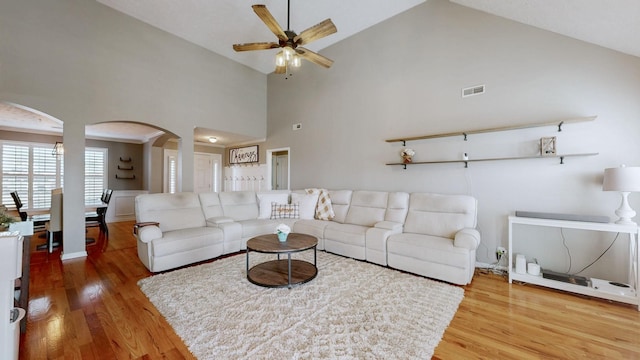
216	25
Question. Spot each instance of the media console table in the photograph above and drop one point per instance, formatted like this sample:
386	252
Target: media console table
597	288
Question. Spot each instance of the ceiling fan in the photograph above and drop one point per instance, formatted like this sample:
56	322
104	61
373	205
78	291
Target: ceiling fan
289	41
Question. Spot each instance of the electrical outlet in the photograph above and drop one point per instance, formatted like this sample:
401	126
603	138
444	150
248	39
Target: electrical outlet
297	126
500	252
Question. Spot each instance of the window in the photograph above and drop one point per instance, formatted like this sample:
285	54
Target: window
173	174
33	171
95	174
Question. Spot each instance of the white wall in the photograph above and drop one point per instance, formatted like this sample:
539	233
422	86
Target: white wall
84	63
404	78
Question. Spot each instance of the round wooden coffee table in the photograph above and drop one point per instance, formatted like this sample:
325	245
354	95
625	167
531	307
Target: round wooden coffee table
282	272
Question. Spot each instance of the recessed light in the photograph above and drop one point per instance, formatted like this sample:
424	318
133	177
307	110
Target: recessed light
212	139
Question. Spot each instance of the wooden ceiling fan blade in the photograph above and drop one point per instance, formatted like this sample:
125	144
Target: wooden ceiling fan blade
316	32
314	57
268	19
256	46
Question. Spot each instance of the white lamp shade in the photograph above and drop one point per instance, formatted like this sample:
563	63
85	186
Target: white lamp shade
621	179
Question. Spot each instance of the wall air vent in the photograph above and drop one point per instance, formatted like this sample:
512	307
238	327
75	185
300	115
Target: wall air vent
474	90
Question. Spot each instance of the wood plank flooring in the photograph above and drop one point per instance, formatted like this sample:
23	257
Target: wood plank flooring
92	308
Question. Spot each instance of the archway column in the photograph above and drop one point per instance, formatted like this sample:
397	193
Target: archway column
73	221
185	162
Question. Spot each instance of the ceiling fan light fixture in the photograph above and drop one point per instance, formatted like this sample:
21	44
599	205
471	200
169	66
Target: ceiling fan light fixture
280	59
288	53
296	62
289	41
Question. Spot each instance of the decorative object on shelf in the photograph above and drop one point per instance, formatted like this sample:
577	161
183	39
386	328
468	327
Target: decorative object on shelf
58	149
248	154
548	146
625	180
407	155
282	231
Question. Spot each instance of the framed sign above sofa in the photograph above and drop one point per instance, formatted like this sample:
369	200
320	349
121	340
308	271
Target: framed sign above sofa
243	155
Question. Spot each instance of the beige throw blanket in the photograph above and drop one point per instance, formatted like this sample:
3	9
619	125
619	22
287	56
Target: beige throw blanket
324	210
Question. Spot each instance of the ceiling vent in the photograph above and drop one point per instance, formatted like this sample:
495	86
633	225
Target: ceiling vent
474	90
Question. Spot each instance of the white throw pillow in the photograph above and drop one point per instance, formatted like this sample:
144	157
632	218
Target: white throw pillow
265	200
307	203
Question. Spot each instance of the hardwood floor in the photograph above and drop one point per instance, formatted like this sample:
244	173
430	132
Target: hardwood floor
92	308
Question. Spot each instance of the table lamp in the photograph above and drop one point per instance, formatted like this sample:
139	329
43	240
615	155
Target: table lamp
626	180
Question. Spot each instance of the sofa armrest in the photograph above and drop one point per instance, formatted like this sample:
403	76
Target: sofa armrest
467	238
219	220
138	226
389	225
146	232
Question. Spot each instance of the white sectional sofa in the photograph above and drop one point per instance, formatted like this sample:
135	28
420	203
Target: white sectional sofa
432	235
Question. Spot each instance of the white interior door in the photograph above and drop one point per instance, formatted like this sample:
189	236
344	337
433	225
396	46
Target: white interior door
207	172
281	171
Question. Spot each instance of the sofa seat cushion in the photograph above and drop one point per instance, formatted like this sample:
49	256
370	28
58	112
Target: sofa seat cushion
177	241
255	227
428	248
313	228
346	233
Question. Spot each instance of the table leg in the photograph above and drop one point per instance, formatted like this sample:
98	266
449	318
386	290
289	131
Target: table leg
289	272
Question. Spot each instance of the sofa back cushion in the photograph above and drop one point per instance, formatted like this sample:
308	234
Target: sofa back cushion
397	207
265	198
239	205
340	200
440	215
307	203
173	211
210	203
367	207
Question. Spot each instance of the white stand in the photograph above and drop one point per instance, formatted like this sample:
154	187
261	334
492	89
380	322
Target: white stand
598	288
10	269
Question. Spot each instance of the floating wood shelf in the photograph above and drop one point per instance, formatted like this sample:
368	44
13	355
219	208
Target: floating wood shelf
466	162
132	177
125	168
464	134
125	160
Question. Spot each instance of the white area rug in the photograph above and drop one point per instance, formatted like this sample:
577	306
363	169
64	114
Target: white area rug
351	310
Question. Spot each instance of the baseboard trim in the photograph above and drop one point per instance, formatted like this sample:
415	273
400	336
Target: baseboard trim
74	255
